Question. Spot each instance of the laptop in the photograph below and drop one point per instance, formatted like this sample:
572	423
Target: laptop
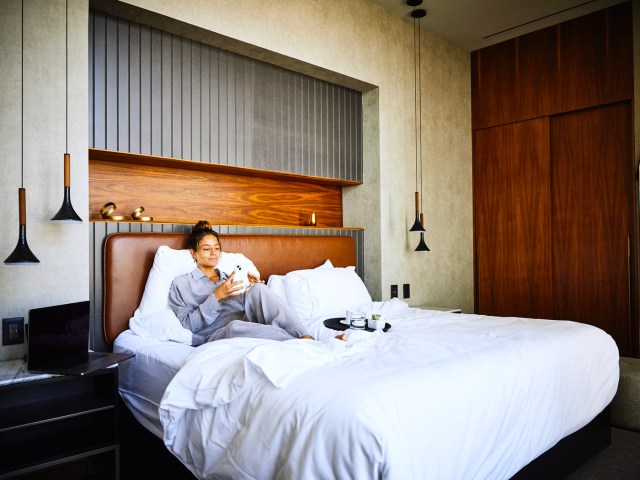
58	341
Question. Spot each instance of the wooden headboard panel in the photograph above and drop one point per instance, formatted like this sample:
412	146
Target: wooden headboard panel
128	258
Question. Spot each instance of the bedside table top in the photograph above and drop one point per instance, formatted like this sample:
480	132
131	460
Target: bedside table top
440	309
15	371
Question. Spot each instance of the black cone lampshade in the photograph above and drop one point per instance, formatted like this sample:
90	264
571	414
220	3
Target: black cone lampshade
66	212
422	246
22	254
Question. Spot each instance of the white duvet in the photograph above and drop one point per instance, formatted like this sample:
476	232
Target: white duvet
439	396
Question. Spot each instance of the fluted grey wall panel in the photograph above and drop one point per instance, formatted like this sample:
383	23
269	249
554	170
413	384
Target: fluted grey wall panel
159	94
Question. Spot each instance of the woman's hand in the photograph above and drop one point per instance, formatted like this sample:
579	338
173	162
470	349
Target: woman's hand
253	279
228	289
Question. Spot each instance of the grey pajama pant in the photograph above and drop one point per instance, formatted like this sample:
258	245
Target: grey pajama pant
265	316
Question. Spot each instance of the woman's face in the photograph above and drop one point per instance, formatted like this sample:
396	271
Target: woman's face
208	252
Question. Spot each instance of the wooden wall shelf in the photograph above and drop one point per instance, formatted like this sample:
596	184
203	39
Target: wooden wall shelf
128	221
183	192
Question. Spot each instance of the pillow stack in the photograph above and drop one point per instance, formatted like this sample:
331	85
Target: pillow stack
322	292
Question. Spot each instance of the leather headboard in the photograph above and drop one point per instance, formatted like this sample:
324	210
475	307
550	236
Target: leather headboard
128	258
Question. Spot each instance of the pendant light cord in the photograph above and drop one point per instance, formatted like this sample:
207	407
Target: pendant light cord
22	101
415	92
420	112
66	78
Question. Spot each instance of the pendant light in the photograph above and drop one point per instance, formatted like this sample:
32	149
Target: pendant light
418	225
22	255
66	212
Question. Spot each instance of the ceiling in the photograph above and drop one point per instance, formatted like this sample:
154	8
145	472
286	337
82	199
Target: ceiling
473	24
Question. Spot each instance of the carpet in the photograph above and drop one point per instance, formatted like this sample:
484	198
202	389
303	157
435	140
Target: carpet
618	461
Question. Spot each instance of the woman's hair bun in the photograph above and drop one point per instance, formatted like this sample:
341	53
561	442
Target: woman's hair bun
202	226
198	232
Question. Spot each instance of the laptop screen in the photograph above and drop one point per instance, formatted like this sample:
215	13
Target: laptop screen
57	332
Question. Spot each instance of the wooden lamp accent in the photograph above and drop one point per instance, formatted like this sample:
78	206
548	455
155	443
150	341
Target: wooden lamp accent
66	212
417	224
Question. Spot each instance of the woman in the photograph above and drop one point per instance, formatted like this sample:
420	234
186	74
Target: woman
214	306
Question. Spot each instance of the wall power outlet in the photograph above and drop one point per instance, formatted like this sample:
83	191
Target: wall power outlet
12	331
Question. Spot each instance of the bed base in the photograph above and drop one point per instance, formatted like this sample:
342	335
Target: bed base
570	452
143	455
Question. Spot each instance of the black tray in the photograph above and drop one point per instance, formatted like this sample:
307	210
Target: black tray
336	324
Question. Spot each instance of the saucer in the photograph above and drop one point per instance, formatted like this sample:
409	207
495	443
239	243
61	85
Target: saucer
340	323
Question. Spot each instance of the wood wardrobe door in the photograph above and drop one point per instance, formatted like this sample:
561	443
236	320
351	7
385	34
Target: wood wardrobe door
592	208
512	220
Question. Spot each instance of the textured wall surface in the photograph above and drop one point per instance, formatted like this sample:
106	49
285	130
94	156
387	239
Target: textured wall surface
349	42
62	275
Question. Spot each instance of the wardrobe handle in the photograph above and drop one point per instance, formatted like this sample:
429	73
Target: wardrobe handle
478	275
629	277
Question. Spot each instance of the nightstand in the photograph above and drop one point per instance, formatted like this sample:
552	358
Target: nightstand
58	426
441	309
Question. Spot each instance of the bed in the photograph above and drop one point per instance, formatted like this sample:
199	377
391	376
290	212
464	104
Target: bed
439	395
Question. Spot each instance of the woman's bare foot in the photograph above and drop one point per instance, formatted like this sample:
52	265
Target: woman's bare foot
342	336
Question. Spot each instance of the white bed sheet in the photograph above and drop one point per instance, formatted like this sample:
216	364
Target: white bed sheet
441	395
144	378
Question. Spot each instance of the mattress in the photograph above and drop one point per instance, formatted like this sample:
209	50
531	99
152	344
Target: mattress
144	378
440	395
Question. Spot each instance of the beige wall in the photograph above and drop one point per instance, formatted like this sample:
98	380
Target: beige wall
347	41
63	249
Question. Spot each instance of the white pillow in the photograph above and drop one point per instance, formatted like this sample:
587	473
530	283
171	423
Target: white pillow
276	282
167	265
327	264
325	292
154	318
161	325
